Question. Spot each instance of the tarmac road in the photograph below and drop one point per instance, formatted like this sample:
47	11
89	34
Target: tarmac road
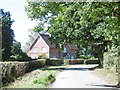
79	76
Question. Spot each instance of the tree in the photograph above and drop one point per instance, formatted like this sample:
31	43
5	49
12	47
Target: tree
7	34
33	34
80	23
94	23
17	53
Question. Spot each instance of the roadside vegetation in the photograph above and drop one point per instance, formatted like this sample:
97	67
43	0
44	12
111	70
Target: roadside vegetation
39	78
108	75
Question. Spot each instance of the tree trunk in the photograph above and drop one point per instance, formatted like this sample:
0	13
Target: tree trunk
100	58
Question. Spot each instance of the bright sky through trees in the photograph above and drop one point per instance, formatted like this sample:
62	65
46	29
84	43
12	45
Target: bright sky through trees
22	24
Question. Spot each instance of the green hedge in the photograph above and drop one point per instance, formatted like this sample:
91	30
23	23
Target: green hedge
11	70
92	61
52	62
80	61
37	63
73	61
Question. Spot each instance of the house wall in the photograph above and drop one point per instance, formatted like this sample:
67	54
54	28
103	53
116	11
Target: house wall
73	53
40	43
54	53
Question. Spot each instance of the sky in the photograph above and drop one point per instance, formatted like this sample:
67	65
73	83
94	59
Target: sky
22	24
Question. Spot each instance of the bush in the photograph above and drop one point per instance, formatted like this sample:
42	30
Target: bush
42	56
73	61
37	64
53	62
45	80
92	62
17	57
80	61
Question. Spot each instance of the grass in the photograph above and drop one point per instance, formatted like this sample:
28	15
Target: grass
109	75
39	78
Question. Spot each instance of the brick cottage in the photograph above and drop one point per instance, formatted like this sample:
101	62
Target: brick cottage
43	46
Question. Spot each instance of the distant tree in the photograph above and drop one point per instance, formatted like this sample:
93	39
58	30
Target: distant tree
33	34
17	53
7	34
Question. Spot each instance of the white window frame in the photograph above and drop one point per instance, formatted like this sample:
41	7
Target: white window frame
43	49
35	50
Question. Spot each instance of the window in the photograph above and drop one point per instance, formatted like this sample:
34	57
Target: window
43	49
65	50
35	49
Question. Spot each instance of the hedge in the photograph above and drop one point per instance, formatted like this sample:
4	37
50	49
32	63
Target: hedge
52	62
37	63
80	61
11	70
92	62
73	61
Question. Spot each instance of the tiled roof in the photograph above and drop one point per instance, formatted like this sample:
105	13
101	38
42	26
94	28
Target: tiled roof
46	39
49	43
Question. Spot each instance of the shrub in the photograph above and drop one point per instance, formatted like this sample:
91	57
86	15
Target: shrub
92	61
45	80
42	56
55	61
80	61
73	61
37	63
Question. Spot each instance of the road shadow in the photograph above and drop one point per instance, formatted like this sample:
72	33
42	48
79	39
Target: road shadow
73	69
81	69
110	86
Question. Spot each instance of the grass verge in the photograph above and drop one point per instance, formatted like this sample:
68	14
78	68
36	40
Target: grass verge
109	75
39	78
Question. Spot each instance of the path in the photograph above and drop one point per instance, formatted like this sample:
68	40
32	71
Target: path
79	76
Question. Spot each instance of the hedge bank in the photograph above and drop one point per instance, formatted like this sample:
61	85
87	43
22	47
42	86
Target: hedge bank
53	62
80	61
9	71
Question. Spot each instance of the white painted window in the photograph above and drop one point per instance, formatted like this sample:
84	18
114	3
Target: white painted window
43	49
35	49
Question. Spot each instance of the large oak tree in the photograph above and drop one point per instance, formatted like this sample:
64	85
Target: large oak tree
92	23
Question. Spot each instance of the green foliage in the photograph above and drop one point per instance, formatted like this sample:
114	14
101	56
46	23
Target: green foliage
31	37
41	56
111	58
17	53
94	23
41	62
55	62
37	64
80	61
45	80
7	34
71	61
